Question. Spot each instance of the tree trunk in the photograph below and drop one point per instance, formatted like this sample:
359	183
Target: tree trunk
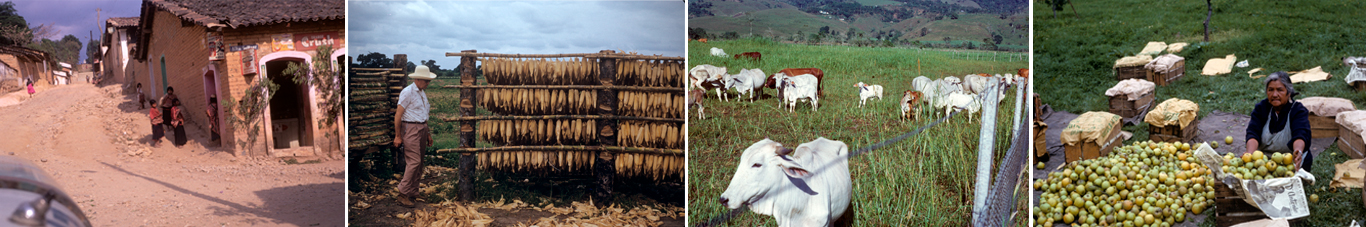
1210	13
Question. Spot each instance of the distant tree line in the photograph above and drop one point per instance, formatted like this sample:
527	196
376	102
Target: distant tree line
380	60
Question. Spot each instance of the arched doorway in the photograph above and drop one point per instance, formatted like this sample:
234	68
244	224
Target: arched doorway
290	110
211	91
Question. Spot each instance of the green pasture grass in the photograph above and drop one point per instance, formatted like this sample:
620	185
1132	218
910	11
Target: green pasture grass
925	180
1074	54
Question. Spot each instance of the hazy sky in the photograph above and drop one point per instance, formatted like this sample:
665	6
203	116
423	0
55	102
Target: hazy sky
75	17
428	30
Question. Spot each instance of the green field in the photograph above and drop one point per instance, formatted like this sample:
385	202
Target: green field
785	22
1074	54
925	180
877	2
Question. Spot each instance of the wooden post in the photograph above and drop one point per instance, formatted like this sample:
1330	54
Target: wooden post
605	167
467	133
400	60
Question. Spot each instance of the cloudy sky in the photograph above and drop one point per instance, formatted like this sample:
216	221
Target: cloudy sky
75	17
427	30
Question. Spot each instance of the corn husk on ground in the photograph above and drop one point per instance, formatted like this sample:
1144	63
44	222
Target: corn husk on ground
540	71
450	213
539	101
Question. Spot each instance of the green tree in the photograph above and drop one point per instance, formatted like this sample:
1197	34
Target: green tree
13	28
374	60
92	51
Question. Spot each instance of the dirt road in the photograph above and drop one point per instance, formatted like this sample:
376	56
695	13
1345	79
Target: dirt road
94	142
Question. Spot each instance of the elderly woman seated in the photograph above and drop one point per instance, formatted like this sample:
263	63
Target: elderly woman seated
1279	123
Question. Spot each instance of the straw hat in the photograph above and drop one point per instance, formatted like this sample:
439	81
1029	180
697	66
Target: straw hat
422	73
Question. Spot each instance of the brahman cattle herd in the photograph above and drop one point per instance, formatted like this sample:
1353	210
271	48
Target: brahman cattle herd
811	186
794	85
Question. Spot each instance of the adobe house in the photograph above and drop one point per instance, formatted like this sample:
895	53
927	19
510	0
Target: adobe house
205	47
18	63
119	38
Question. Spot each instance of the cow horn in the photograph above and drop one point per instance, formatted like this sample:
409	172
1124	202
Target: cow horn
784	151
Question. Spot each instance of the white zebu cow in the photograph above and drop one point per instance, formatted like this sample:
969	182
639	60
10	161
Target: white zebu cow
749	81
962	101
702	73
718	52
866	91
928	89
947	85
809	186
973	83
799	87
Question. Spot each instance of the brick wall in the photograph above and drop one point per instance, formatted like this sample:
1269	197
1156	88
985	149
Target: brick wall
186	61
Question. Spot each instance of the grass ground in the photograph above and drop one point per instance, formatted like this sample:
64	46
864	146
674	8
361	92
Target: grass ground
1074	54
923	181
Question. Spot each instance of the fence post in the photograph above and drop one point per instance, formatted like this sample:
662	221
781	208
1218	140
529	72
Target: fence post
399	80
467	97
605	167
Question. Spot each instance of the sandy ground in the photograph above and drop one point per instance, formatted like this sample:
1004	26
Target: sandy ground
94	142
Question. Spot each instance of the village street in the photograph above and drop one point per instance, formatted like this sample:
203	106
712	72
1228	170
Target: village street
94	142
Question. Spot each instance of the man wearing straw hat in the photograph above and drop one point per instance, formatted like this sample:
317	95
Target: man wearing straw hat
410	125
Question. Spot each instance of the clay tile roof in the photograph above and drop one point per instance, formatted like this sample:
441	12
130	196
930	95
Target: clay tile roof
239	13
124	21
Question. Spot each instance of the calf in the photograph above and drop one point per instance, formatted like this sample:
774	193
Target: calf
809	186
867	91
962	101
751	55
749	81
799	87
718	52
695	98
910	105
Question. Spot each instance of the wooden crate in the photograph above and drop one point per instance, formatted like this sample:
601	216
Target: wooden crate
1038	107
1040	144
1323	127
1131	72
1176	72
1174	133
1230	208
1120	105
1350	142
1087	150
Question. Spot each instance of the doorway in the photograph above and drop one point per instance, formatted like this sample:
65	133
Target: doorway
290	110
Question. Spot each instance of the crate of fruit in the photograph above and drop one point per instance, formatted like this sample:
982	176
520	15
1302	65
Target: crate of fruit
1267	182
1132	67
1166	69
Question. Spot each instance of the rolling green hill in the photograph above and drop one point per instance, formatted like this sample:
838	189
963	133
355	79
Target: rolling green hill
781	20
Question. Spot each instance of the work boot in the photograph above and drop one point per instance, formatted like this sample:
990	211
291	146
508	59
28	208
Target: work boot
404	201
